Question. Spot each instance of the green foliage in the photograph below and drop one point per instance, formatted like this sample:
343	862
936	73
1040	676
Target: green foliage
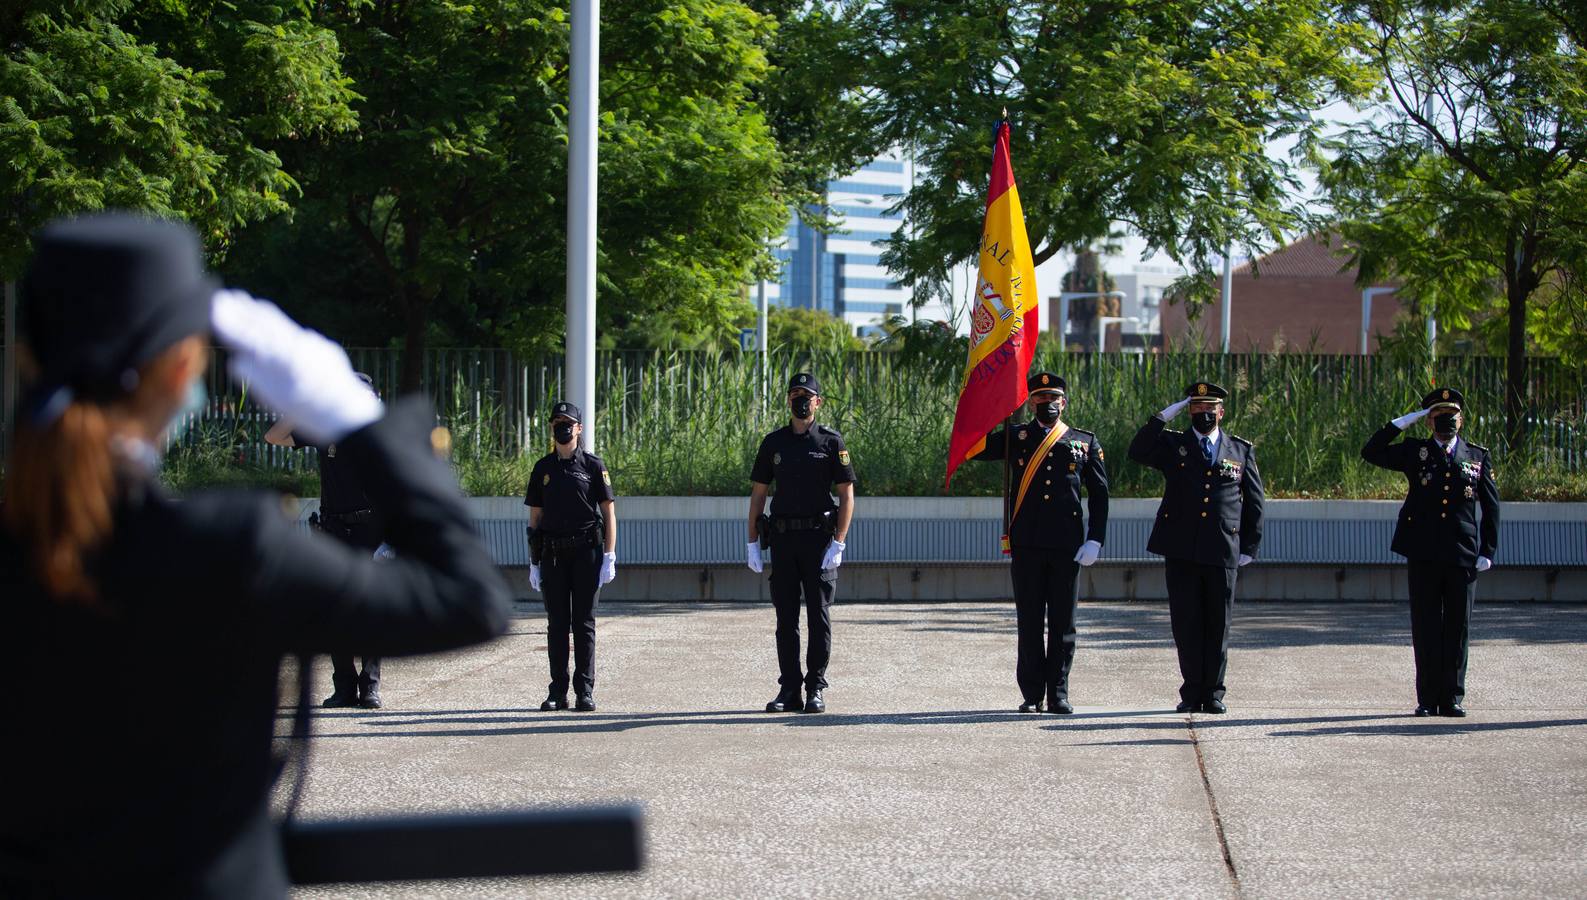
792	328
1468	189
1156	115
178	109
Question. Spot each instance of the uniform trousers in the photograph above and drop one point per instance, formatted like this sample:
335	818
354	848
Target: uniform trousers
1046	590
570	582
1441	601
346	679
1200	607
797	579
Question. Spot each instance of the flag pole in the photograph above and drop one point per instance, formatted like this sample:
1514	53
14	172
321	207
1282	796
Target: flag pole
1008	480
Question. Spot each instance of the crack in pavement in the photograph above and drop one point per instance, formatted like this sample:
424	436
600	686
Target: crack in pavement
1212	806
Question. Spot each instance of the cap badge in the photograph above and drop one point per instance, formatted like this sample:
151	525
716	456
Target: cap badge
1201	390
802	380
1445	395
1044	379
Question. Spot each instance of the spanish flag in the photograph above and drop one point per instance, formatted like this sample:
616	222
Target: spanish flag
1003	317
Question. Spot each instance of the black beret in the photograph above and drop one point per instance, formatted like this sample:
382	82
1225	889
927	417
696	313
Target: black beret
106	293
804	381
1205	390
564	409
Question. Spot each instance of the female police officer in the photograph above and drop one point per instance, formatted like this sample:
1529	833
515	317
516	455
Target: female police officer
114	593
572	552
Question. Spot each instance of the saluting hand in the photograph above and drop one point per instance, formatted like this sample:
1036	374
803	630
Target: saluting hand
1173	409
1409	419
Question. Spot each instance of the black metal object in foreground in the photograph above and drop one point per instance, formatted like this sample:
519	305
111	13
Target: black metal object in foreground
460	845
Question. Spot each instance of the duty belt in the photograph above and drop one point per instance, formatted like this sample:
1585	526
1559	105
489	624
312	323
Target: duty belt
813	523
563	543
348	518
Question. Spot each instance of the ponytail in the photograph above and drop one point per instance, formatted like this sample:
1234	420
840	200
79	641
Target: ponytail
60	490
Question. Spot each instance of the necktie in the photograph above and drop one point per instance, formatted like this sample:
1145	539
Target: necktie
1206	449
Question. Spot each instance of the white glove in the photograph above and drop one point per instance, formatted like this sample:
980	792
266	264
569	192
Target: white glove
1173	409
1245	560
834	555
299	373
1409	419
384	552
756	563
1484	564
534	577
1089	551
608	568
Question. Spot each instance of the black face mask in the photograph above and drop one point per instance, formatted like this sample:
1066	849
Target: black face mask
1204	421
1047	413
800	407
1444	424
563	432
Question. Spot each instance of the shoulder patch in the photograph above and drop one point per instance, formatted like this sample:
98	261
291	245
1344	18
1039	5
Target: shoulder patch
1476	447
1089	434
1241	440
843	457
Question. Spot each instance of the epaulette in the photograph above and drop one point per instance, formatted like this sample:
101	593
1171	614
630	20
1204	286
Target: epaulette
1239	439
1089	434
1477	447
829	430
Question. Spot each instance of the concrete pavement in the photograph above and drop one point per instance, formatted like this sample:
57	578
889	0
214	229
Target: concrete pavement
921	780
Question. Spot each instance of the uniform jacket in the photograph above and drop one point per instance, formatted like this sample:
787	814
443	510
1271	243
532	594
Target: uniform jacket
1209	514
804	467
1051	516
140	748
569	492
1438	521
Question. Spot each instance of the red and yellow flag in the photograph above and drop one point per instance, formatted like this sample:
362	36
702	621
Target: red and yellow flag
1003	317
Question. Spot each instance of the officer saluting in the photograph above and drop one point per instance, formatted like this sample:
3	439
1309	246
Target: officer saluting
1439	535
572	552
806	532
1049	538
1209	524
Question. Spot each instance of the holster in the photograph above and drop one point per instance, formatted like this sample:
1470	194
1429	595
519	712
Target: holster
537	544
763	527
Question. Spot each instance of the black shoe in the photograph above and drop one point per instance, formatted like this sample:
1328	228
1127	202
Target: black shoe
1059	706
1452	710
1423	711
554	702
1030	706
1186	706
787	701
585	703
1215	707
370	700
340	700
814	703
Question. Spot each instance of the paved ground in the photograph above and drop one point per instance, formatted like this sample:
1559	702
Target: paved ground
921	780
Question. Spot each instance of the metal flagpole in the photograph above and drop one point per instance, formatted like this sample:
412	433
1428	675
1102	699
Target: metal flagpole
10	398
582	110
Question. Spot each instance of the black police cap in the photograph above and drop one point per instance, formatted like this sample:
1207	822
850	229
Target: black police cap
804	381
1046	381
564	409
106	293
1206	390
1443	397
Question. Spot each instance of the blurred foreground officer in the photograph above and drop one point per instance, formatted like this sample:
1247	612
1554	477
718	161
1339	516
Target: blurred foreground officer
110	586
805	532
1208	525
1049	538
347	514
1443	544
572	552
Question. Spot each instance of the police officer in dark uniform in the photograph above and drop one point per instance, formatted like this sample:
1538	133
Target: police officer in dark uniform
346	514
1208	525
572	552
110	586
1444	542
806	534
1049	538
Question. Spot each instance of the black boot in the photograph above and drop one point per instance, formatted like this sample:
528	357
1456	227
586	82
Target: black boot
554	702
787	701
585	703
814	703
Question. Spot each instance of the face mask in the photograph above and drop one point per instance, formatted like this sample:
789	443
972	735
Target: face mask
563	432
800	407
192	405
1047	413
1444	424
1204	421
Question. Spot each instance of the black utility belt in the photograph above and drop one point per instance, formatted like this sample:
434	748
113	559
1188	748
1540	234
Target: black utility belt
789	525
355	517
566	543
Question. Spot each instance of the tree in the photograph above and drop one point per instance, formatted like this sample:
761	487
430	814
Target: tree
174	108
790	328
453	188
1156	115
1472	181
1089	277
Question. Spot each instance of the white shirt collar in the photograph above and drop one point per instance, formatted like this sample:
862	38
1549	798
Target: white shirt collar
1216	436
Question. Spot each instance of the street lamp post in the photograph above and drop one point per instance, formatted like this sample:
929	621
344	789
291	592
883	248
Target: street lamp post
585	62
1366	313
1062	328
